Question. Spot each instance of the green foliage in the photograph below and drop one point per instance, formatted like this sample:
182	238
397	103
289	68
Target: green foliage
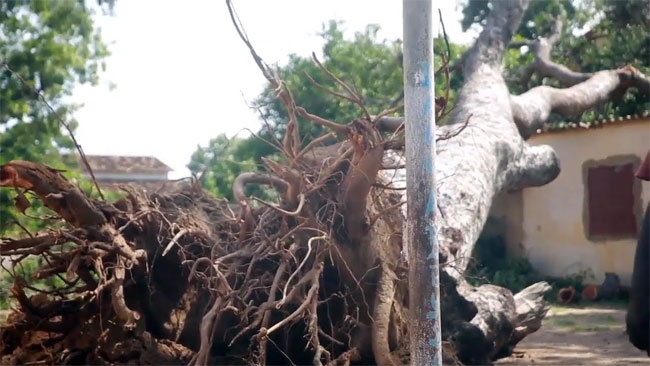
25	269
619	36
490	264
220	162
538	19
371	66
52	45
5	293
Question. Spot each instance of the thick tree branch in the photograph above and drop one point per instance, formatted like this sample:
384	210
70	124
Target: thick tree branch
532	108
543	66
364	166
531	310
501	24
537	165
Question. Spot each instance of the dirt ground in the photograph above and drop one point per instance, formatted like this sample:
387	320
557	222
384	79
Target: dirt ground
574	336
579	336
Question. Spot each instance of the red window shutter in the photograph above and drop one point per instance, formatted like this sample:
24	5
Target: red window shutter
611	201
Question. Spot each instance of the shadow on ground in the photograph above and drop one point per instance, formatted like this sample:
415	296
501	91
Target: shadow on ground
573	336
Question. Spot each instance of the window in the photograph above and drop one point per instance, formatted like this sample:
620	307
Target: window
611	201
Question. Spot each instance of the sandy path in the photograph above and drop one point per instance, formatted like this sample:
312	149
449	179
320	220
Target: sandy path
571	336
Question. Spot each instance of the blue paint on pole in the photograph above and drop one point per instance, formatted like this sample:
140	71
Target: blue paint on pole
424	289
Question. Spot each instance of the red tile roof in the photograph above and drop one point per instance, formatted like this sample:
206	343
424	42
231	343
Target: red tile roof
126	164
564	126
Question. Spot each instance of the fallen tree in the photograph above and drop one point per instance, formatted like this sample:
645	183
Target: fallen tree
317	277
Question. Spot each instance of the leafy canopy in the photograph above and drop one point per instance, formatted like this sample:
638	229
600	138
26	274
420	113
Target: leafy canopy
373	67
52	45
619	36
596	35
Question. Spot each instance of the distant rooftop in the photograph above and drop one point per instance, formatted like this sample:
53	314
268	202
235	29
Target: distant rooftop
564	126
127	164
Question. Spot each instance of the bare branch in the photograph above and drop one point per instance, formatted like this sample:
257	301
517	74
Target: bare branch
386	112
543	65
328	90
288	213
340	129
292	137
315	142
354	96
531	109
453	134
239	185
242	34
40	95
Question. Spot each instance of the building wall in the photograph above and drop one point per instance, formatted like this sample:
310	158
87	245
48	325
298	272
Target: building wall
552	232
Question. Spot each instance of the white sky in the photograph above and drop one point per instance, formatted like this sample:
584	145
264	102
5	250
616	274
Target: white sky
182	74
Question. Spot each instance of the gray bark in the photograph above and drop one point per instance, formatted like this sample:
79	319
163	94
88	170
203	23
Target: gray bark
490	155
584	90
487	156
532	108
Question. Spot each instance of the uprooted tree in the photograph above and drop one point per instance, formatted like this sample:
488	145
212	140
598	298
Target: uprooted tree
318	277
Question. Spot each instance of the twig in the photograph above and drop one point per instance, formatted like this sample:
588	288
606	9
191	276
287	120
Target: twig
174	241
340	129
313	144
444	32
313	291
242	34
387	209
383	186
292	135
355	96
446	69
304	260
457	132
393	167
386	112
64	123
23	228
288	213
266	122
326	89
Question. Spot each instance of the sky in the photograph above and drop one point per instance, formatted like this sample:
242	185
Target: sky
181	75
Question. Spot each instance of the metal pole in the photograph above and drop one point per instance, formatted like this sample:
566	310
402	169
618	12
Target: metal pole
424	282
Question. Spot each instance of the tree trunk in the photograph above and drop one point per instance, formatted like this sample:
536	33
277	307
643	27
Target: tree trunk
488	154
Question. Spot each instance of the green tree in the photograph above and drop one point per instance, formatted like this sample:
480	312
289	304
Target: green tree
617	35
52	46
219	163
371	66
